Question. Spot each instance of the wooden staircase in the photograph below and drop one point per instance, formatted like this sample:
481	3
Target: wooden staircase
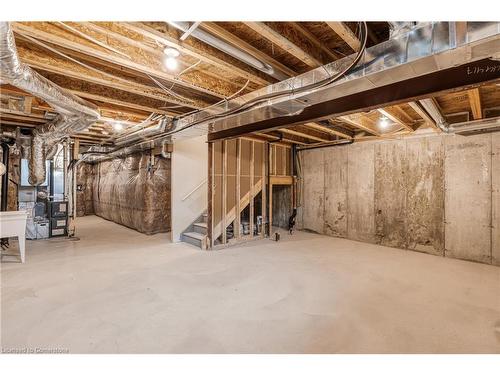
197	233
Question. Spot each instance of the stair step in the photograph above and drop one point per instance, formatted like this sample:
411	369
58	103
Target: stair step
194	238
200	228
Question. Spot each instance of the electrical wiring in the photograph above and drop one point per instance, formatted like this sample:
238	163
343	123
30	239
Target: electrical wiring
260	99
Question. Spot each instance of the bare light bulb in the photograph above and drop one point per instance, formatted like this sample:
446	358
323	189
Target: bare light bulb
171	63
384	122
171	52
117	126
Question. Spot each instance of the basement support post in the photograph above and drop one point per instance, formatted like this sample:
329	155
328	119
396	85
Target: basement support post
224	192
264	191
252	184
237	219
210	186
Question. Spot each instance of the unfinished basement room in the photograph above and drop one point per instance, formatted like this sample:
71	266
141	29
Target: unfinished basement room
246	186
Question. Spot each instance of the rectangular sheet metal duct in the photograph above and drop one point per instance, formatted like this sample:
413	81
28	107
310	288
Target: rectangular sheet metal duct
431	57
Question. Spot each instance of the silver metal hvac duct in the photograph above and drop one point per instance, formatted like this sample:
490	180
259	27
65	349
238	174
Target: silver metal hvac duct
487	124
398	28
433	111
74	116
426	48
101	153
230	50
143	134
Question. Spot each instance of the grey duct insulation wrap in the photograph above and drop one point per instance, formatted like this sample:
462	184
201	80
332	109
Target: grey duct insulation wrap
74	116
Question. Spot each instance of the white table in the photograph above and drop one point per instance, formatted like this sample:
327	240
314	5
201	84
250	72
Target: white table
13	224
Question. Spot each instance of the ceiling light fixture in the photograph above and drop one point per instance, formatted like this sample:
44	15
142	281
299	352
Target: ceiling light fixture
117	126
383	122
171	58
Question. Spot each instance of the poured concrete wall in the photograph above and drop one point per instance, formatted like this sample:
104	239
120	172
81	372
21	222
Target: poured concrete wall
360	192
495	198
390	194
468	198
313	190
424	179
435	194
335	211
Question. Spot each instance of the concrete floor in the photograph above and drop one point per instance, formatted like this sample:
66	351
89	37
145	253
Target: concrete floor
118	291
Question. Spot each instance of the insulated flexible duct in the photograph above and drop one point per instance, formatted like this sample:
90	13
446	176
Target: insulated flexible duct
74	116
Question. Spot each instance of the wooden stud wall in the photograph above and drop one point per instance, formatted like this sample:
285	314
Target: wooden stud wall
238	167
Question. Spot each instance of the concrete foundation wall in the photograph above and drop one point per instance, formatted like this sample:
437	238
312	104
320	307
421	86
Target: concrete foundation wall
436	194
360	191
495	198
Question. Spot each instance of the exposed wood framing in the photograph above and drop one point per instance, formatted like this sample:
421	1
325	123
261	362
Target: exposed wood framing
264	190
167	40
224	192
252	187
391	115
303	135
361	122
112	58
331	129
117	102
211	191
342	30
309	36
424	115
275	138
72	70
237	220
475	103
282	180
276	38
220	32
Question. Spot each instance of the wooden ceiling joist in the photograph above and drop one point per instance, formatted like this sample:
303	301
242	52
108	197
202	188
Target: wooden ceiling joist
282	42
225	35
273	137
104	99
105	80
343	31
110	57
475	103
184	48
154	51
303	135
397	118
361	122
309	36
424	115
331	129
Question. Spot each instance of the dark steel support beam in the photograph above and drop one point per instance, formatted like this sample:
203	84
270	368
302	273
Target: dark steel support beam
451	79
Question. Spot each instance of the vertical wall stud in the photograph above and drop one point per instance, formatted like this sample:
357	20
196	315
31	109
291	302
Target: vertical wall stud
210	221
252	184
236	228
264	190
224	191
